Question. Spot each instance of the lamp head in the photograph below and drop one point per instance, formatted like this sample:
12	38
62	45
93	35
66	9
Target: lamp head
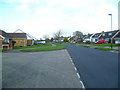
110	14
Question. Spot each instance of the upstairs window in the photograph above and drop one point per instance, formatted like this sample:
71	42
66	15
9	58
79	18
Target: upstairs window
109	34
103	34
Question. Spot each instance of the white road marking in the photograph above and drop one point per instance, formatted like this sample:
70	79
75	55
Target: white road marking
82	84
72	63
78	75
75	68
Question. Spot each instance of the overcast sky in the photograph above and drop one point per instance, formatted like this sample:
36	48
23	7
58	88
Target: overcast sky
40	17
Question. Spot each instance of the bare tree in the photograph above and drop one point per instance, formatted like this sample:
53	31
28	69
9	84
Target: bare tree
46	37
77	33
57	35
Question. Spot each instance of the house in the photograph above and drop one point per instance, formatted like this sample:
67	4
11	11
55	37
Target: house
88	37
117	37
5	36
4	40
1	38
7	39
73	39
109	35
30	42
30	38
20	38
95	37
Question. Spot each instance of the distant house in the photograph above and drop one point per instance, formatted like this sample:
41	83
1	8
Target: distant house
108	36
73	39
88	37
20	38
95	37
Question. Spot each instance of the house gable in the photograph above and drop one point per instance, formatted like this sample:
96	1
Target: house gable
108	34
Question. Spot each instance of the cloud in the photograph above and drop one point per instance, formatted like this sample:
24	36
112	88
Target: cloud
21	1
22	7
47	16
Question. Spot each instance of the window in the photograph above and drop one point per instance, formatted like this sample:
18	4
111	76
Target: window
103	34
109	34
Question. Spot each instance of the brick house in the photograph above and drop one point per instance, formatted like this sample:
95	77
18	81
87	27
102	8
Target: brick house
20	38
7	38
4	40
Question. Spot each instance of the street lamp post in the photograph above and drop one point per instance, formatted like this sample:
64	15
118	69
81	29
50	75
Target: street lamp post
111	27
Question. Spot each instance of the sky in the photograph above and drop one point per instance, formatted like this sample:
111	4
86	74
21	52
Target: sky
46	17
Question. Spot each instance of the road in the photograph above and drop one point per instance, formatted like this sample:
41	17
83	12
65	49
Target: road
97	68
49	69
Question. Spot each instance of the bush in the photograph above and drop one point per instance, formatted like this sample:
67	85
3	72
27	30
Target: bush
65	40
13	43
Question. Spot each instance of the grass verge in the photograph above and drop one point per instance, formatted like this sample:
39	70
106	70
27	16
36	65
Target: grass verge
109	45
0	50
106	49
51	48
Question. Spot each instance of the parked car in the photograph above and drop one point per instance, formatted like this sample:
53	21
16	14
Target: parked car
100	42
86	41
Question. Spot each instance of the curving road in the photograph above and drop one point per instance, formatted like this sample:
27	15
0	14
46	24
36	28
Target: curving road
97	68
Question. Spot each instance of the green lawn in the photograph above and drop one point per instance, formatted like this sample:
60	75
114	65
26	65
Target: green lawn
58	47
34	46
0	50
101	46
107	49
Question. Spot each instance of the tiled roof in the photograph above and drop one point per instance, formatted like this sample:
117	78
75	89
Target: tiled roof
96	35
17	35
88	36
3	33
109	34
118	35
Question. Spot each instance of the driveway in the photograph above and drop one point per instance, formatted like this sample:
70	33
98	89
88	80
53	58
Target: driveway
97	68
49	69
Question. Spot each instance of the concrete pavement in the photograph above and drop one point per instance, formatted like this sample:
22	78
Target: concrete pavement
49	69
0	70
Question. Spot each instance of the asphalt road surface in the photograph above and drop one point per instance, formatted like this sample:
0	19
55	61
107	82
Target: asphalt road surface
49	69
97	68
